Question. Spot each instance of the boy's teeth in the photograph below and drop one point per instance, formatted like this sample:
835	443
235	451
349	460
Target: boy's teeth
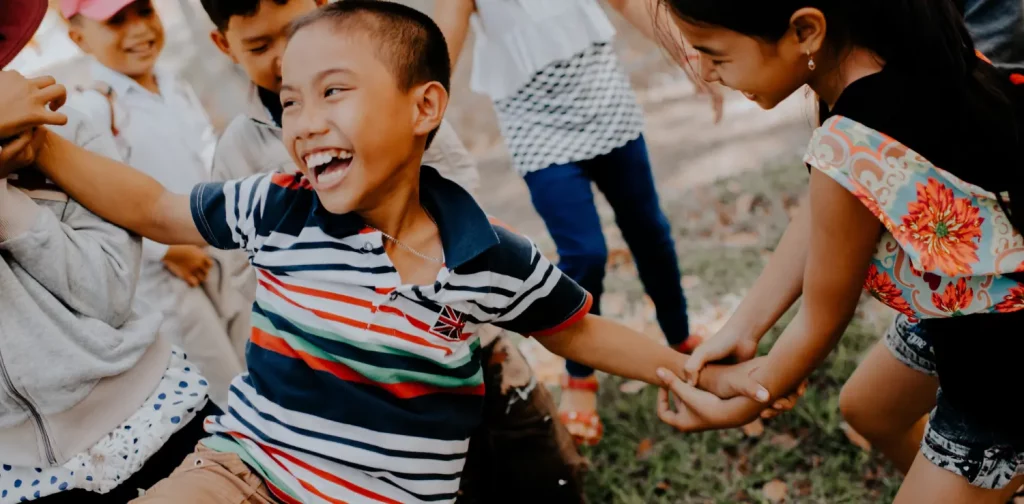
331	176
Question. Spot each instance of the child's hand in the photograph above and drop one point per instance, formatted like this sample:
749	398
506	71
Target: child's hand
189	263
698	410
29	103
728	382
20	150
739	345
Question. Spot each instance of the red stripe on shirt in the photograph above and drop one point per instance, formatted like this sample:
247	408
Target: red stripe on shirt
571	321
276	453
387	331
407	390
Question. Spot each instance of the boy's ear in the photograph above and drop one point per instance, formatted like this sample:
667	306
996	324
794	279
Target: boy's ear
222	44
430	105
76	36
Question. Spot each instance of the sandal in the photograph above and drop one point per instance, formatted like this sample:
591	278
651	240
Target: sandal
689	345
585	427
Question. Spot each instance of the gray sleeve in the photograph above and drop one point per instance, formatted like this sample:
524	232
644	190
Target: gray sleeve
89	264
247	148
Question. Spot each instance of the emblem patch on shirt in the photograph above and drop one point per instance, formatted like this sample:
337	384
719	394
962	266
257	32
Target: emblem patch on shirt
450	323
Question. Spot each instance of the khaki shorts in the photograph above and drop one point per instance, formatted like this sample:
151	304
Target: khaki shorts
209	477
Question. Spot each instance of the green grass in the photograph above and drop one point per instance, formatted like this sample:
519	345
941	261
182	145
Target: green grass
727	467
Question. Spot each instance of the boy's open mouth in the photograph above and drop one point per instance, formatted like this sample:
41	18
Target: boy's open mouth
328	167
141	48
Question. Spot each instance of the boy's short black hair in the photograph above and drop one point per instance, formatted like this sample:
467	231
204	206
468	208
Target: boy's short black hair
405	39
221	11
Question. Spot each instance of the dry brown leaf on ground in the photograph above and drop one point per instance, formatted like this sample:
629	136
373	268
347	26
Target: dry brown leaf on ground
690	282
775	491
662	486
803	488
617	257
632	387
784	441
644	449
855	437
754	429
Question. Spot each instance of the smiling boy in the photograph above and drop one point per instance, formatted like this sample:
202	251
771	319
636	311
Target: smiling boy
364	380
162	129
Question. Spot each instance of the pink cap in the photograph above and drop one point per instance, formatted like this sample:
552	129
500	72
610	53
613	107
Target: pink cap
97	10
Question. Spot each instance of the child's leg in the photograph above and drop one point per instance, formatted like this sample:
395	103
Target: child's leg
889	395
209	477
624	176
926	482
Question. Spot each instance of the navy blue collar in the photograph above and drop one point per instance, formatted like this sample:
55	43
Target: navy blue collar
465	230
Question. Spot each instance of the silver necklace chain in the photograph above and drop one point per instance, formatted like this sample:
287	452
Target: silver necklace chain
419	254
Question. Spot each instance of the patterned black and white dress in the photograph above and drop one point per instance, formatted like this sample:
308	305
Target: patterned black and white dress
572	110
560	92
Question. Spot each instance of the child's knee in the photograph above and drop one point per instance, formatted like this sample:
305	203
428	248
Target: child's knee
856	408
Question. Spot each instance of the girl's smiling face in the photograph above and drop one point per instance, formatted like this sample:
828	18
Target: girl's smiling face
766	72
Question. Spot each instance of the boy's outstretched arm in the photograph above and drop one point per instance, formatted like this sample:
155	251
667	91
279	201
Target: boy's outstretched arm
118	193
616	349
543	302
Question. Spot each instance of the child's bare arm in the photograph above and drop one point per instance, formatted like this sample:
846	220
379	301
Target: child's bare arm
119	193
614	348
844	238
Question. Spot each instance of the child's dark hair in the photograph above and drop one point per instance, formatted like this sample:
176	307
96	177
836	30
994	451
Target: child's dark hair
925	38
221	11
405	39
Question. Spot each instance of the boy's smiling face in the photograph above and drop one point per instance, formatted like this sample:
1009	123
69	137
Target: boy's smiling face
129	42
257	42
350	128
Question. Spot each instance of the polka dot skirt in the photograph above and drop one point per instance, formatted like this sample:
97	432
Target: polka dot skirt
180	394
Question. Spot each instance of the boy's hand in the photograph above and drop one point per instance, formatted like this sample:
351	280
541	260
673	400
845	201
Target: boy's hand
189	263
20	150
28	103
698	410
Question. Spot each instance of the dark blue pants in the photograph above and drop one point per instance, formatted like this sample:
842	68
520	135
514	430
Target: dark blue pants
563	197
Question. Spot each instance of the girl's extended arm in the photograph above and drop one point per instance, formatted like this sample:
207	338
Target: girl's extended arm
776	289
118	193
844	237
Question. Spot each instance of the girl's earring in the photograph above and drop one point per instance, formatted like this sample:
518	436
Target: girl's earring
810	62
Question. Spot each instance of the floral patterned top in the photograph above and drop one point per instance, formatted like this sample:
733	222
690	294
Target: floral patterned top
947	242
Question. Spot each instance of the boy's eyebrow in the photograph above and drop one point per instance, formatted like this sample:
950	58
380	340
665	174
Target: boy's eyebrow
253	40
321	75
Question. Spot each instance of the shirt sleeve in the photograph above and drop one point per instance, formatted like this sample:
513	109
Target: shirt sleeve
545	300
230	214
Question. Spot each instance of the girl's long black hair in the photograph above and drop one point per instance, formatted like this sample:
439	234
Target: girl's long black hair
925	37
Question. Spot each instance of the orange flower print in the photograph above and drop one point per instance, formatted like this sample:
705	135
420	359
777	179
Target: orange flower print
871	203
885	290
955	299
1013	302
943	228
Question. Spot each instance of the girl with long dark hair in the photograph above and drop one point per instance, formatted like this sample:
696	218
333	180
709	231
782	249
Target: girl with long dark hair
916	195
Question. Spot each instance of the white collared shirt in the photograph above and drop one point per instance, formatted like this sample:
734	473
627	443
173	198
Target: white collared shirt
168	135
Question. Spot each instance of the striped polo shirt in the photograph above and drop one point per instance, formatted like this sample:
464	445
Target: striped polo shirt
360	388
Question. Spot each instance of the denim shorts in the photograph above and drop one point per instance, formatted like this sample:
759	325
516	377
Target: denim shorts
953	441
